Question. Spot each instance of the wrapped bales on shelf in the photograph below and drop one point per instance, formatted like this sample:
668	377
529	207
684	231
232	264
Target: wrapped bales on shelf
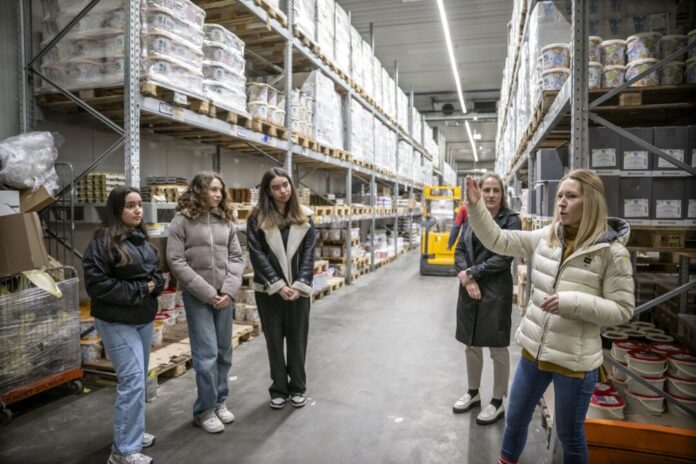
224	83
327	110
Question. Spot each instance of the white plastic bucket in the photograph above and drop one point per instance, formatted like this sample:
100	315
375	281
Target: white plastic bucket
652	337
690	71
594	76
677	411
613	52
682	365
640	325
672	73
553	79
646	363
619	350
653	405
637	387
617	376
596	49
609	406
643	45
638	66
681	387
555	55
613	76
671	43
666	348
610	336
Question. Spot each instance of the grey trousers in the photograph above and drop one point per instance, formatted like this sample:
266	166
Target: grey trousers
501	368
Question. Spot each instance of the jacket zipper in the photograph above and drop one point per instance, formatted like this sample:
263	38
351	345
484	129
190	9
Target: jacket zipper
212	253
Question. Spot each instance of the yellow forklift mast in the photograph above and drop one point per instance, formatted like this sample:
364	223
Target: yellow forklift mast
440	205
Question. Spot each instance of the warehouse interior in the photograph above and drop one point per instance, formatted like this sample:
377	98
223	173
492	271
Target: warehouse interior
372	106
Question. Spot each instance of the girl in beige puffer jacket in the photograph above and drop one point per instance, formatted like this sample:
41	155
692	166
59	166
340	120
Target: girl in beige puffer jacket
582	279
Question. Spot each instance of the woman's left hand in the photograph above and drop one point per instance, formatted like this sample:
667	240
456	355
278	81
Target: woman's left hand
551	304
222	301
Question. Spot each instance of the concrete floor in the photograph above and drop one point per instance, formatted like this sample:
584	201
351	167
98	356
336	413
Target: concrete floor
383	371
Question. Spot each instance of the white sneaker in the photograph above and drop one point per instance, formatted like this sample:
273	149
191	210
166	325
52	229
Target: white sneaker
135	458
224	414
209	422
298	400
148	440
490	415
466	403
278	403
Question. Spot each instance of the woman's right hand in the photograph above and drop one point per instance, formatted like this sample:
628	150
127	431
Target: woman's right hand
472	288
150	286
287	293
473	191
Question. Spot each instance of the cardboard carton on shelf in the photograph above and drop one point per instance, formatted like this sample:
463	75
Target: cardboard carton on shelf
35	201
21	244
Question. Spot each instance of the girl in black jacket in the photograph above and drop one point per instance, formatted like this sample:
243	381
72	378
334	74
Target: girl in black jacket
121	277
280	235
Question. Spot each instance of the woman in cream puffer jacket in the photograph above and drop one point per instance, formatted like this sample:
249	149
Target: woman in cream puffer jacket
581	279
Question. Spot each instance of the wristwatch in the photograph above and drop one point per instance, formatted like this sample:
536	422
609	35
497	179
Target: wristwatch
468	274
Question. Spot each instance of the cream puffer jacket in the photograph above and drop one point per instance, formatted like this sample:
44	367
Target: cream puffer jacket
595	288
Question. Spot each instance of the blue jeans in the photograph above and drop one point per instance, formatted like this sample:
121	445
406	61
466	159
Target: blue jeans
128	346
210	334
572	399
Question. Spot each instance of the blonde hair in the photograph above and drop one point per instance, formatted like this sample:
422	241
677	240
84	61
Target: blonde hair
593	222
496	176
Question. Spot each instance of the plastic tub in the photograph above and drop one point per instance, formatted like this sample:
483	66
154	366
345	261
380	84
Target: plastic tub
691	71
681	387
634	334
91	349
594	77
643	45
225	96
691	37
666	348
278	117
619	350
555	55
167	300
216	71
613	76
157	333
257	93
259	110
672	73
638	66
553	79
653	405
613	52
608	406
677	411
217	33
636	387
617	376
671	43
682	365
652	337
220	53
654	331
646	363
640	325
609	337
272	96
595	49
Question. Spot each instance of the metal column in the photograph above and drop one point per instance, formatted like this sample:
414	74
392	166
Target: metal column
349	237
131	101
373	222
25	79
288	84
579	106
216	158
396	219
684	261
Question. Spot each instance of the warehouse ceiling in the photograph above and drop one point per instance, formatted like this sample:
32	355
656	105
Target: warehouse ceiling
410	33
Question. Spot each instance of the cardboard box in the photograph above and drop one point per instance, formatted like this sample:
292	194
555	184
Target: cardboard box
690	200
611	194
30	201
605	145
21	244
549	163
636	197
674	141
668	199
634	157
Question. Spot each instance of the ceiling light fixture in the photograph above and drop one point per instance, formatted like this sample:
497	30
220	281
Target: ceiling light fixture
455	71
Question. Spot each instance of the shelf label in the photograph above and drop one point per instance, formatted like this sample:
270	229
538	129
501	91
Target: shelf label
636	160
668	209
637	208
674	153
603	157
165	108
180	98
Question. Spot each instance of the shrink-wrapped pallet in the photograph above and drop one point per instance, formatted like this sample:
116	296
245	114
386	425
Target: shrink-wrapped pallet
342	40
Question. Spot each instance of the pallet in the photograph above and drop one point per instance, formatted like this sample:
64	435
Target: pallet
359	272
273	12
227	115
323	210
241	211
319	294
268	128
321	265
307	41
663	239
336	282
241	333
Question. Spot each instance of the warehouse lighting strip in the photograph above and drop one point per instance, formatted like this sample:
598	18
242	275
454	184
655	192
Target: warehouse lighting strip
455	71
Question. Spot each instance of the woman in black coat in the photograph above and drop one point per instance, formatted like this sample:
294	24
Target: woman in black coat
280	236
485	305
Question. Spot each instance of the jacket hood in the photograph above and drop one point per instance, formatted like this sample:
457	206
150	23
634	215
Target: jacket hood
191	215
617	230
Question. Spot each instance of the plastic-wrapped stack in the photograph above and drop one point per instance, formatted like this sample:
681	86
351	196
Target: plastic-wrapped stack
356	136
368	131
367	64
266	103
377	91
449	176
405	162
402	109
301	109
416	126
327	110
92	53
223	68
342	39
325	27
388	94
303	14
356	46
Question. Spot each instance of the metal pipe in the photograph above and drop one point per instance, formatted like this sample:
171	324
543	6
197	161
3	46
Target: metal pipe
667	296
288	85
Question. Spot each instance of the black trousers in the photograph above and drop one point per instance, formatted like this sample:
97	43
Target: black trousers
285	323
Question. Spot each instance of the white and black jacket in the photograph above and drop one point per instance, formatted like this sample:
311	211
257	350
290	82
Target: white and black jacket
275	265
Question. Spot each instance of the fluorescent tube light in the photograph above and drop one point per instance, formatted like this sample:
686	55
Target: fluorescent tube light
471	141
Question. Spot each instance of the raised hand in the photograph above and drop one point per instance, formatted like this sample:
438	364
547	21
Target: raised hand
473	191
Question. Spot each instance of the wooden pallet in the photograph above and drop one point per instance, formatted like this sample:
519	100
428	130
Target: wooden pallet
256	328
360	272
273	12
241	211
663	239
336	282
320	265
241	333
268	128
319	294
227	115
323	210
307	41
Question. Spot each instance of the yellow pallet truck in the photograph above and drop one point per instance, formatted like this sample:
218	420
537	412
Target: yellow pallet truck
440	204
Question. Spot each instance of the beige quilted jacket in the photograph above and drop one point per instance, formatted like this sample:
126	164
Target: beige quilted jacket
595	288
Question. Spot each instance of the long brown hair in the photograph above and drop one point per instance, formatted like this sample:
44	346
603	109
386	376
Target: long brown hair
193	200
593	222
496	176
112	231
268	214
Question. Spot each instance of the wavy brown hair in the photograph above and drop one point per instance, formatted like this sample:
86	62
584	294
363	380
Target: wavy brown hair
267	213
193	200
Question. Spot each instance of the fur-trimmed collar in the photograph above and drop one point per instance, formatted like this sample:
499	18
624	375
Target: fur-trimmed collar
295	237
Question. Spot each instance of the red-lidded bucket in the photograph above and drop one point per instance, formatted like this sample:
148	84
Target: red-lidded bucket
620	349
677	411
666	348
607	406
653	405
684	388
682	365
637	387
646	363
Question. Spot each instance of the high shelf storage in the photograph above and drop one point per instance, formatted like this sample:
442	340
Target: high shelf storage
276	43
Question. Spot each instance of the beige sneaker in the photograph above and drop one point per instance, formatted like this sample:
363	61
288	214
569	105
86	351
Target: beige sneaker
224	414
135	458
209	422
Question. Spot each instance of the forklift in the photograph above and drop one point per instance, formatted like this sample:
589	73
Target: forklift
440	204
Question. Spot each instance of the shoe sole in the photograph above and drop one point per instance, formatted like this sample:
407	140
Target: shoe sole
281	406
468	408
209	431
298	405
152	461
490	421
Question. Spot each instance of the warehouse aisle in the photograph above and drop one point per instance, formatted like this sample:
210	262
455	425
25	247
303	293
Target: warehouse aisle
383	372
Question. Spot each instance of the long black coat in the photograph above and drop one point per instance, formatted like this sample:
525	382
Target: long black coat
485	322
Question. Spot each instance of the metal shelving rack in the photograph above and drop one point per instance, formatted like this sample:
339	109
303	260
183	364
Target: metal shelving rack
139	109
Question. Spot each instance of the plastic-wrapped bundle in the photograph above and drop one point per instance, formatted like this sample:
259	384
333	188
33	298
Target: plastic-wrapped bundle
224	54
28	159
417	126
328	120
325	27
402	110
217	33
367	63
342	39
165	43
173	72
183	9
377	92
356	136
303	13
39	334
356	44
218	92
160	19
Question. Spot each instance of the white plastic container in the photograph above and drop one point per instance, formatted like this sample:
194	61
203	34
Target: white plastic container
653	405
609	406
690	72
610	336
672	73
646	363
619	350
637	387
682	365
613	76
555	55
595	49
258	93
666	348
642	46
691	37
167	300
641	325
613	52
220	53
594	77
677	411
91	349
638	66
653	337
671	43
617	376
553	79
259	110
217	33
681	387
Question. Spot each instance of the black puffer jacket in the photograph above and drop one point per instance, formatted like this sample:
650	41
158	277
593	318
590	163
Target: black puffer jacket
485	322
120	293
276	265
